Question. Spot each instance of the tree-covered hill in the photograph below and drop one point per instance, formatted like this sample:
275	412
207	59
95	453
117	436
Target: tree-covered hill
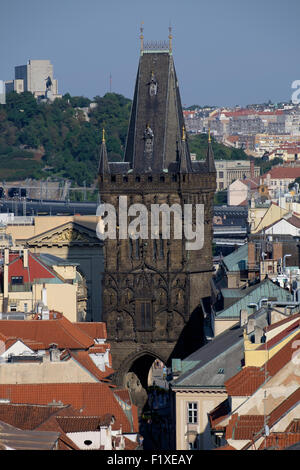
198	145
40	140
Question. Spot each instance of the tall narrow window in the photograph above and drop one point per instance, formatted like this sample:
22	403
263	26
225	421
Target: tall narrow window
144	315
154	249
130	248
137	248
192	413
161	246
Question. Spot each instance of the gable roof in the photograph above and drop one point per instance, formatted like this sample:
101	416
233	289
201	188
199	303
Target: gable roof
94	399
237	260
93	329
265	289
39	334
84	359
218	360
250	378
26	440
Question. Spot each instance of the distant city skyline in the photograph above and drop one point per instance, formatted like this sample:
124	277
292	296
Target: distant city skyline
226	53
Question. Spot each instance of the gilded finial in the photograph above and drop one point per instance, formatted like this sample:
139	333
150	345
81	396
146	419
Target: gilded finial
170	38
142	36
209	138
183	133
103	135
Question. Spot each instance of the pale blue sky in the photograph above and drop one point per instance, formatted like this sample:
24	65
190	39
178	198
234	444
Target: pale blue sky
226	52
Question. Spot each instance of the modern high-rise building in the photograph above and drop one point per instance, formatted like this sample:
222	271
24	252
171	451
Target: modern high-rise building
36	77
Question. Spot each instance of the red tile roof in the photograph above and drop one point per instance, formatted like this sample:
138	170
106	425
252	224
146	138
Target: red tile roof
93	329
36	269
130	445
245	382
84	359
280	441
83	423
282	322
26	417
294	426
226	447
94	399
39	334
280	336
249	379
250	427
283	172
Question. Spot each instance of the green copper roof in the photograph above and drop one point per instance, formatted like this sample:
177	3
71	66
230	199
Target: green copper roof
266	289
237	260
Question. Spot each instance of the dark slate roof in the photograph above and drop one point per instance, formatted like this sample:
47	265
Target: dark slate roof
224	352
103	160
159	112
119	167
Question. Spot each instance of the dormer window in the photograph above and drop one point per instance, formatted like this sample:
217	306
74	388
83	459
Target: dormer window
17	280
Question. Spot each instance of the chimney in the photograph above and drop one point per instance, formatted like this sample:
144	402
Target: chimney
25	258
250	326
243	318
5	273
54	353
252	168
258	334
44	295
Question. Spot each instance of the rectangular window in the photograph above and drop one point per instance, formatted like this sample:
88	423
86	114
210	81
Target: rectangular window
221	174
144	316
17	279
25	308
192	413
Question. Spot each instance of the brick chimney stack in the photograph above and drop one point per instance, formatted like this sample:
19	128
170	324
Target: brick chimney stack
252	168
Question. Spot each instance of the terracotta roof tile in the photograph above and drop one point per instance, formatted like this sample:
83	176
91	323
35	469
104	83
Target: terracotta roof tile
294	426
281	322
279	441
282	172
41	333
94	399
26	417
130	445
84	359
249	379
83	423
93	329
280	336
225	447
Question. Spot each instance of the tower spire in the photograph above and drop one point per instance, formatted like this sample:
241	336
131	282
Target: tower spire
103	160
210	161
142	36
183	155
170	39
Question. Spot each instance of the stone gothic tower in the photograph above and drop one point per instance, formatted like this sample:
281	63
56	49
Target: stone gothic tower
152	288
